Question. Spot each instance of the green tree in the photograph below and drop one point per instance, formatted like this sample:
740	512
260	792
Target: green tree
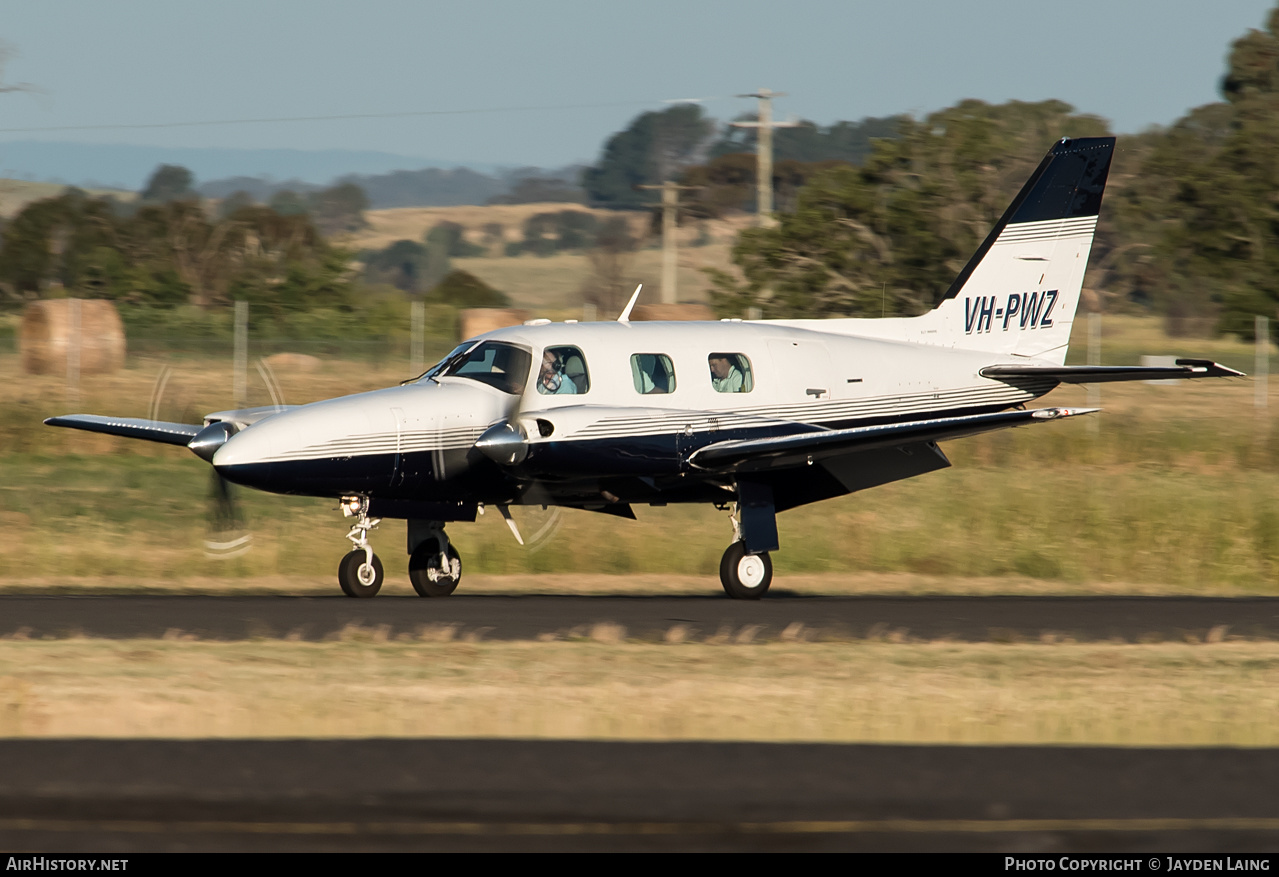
169	182
408	265
809	142
450	237
286	202
234	202
339	208
1196	231
656	146
889	237
464	290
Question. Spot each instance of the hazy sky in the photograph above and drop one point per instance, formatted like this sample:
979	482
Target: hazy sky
594	64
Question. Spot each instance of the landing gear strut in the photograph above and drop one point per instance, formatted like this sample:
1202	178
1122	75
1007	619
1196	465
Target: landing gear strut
745	576
360	572
435	567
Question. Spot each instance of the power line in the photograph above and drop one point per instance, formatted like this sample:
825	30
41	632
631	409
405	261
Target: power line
343	117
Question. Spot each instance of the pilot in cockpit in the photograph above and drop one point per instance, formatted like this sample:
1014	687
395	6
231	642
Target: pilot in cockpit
726	377
552	380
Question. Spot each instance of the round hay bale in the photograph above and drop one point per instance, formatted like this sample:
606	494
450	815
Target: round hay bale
301	362
48	330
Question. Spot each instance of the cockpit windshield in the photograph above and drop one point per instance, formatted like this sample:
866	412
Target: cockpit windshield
499	365
444	363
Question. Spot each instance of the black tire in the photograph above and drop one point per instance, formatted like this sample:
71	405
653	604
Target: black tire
745	576
424	561
349	576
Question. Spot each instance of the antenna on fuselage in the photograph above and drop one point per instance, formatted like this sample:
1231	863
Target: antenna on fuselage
626	311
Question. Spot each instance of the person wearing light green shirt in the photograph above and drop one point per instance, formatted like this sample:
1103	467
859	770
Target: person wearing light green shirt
725	376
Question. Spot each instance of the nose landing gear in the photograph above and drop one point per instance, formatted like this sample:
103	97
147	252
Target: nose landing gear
360	572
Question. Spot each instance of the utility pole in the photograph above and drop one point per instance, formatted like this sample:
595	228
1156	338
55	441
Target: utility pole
764	151
670	208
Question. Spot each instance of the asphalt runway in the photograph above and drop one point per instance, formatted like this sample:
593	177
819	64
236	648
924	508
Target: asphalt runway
114	796
972	619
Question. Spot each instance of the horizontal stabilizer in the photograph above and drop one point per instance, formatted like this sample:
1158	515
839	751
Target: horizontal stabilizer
1097	374
129	427
801	448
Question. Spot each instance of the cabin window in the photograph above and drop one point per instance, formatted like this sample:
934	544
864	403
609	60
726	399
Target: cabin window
495	363
653	373
563	372
730	373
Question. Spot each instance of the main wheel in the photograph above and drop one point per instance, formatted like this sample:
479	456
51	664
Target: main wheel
359	578
428	577
745	576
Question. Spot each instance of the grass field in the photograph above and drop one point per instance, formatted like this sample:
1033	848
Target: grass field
1170	694
1175	493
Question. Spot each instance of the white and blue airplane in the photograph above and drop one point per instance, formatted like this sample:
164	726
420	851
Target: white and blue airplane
760	416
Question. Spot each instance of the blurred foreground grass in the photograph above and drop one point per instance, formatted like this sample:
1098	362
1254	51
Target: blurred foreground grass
1218	694
1176	490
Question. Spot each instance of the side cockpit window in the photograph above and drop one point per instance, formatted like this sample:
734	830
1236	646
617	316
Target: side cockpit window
563	372
731	373
653	373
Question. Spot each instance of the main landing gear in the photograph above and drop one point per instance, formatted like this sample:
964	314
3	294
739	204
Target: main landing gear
744	575
435	567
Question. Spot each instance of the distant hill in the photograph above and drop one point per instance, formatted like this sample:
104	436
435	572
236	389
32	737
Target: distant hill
428	187
126	166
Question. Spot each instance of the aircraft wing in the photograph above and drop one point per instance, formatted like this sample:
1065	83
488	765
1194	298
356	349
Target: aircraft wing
1097	374
163	431
799	449
131	427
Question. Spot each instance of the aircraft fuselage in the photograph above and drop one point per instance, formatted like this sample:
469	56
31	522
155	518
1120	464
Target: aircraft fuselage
646	397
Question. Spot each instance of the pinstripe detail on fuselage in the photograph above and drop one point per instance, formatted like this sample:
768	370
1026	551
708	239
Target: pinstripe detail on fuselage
827	414
410	441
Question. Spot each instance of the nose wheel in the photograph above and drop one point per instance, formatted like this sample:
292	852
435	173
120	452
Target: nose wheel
360	572
745	576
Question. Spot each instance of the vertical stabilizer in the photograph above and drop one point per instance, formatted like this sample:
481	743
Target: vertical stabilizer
1018	293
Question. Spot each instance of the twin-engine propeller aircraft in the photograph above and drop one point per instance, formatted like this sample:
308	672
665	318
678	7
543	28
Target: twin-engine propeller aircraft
762	416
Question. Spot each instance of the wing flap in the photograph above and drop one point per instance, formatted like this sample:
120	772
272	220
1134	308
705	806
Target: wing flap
130	427
801	448
1098	374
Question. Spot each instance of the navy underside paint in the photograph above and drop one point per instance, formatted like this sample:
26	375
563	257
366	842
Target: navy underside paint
648	469
758	516
1068	184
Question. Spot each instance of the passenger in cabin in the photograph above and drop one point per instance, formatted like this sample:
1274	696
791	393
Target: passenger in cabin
726	377
551	380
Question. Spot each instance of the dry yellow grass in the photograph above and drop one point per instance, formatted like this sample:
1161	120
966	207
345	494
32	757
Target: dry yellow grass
602	688
387	226
552	285
16	194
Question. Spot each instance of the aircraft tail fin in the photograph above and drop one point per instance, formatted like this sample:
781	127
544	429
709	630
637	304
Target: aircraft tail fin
1018	293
